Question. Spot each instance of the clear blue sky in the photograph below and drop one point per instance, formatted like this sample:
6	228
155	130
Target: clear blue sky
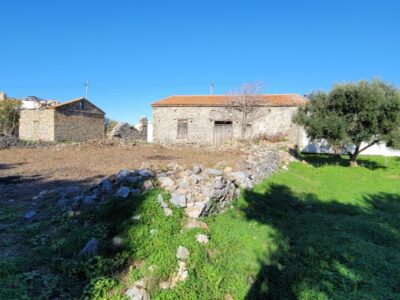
136	52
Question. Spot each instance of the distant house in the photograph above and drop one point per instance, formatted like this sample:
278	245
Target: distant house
212	119
76	120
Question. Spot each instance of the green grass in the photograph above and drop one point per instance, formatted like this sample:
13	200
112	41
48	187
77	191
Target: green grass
320	230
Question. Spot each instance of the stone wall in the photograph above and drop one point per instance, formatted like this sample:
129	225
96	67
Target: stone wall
37	125
78	126
200	122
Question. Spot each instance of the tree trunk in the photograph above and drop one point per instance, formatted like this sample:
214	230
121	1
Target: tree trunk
353	157
353	161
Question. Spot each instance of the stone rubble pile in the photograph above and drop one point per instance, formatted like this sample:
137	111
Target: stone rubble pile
199	191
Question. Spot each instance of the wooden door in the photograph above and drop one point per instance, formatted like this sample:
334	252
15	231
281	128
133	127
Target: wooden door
222	132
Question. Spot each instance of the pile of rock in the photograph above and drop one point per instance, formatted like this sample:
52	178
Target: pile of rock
127	132
199	191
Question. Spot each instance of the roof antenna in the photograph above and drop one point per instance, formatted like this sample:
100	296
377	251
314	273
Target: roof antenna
87	88
211	88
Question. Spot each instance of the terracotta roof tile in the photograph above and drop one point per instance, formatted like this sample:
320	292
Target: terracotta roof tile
223	100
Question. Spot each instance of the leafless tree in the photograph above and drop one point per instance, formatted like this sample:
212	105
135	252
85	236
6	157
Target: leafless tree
246	100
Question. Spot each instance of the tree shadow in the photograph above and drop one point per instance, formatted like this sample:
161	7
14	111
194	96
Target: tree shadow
320	160
327	249
45	248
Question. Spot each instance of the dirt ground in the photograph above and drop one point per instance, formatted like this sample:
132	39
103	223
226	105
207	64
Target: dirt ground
25	172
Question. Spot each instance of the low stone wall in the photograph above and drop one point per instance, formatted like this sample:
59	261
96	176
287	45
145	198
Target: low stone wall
199	191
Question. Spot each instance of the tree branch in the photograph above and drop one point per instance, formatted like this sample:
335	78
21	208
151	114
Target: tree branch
369	145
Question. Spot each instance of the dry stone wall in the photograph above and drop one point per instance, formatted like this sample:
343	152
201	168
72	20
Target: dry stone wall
200	123
78	126
199	191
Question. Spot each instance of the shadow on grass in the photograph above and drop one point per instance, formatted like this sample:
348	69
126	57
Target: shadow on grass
320	160
327	250
39	257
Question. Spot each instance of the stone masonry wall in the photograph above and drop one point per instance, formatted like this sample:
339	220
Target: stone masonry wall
37	125
78	126
200	120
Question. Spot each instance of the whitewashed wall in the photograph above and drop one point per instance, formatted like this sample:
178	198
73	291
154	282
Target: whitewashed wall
380	149
149	132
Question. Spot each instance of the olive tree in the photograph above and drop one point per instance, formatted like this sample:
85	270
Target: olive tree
353	117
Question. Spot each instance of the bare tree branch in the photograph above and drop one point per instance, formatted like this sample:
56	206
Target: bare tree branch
246	100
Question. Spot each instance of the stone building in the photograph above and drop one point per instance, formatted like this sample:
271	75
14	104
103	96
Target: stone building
212	119
77	120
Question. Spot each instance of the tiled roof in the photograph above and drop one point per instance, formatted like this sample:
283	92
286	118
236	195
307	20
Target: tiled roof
224	100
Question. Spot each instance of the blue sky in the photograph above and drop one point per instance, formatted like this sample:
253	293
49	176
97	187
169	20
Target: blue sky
136	52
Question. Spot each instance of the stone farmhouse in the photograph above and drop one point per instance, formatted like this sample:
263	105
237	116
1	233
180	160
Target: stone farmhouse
77	120
212	119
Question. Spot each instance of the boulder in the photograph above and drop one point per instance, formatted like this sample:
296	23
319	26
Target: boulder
106	186
196	210
202	238
214	172
178	200
137	293
193	223
182	253
197	169
123	192
147	185
166	182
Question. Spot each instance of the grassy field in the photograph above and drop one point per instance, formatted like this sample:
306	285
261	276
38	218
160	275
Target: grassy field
320	230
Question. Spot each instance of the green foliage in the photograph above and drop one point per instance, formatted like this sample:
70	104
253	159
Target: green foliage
9	116
353	113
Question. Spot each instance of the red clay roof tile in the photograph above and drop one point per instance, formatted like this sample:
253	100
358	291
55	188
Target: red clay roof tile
223	100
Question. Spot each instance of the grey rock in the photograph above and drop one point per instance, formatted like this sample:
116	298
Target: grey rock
90	248
178	200
197	169
182	253
123	192
196	210
207	191
147	185
145	173
137	293
30	214
71	190
106	186
166	182
89	200
218	182
202	238
214	172
133	179
122	175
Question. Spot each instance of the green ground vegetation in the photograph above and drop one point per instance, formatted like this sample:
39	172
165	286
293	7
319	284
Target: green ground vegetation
320	230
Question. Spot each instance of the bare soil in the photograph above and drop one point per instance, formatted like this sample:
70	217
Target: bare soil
25	172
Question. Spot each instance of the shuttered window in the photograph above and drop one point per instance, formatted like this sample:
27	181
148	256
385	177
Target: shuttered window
182	129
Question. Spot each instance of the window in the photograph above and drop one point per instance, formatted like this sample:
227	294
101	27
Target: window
81	105
182	129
